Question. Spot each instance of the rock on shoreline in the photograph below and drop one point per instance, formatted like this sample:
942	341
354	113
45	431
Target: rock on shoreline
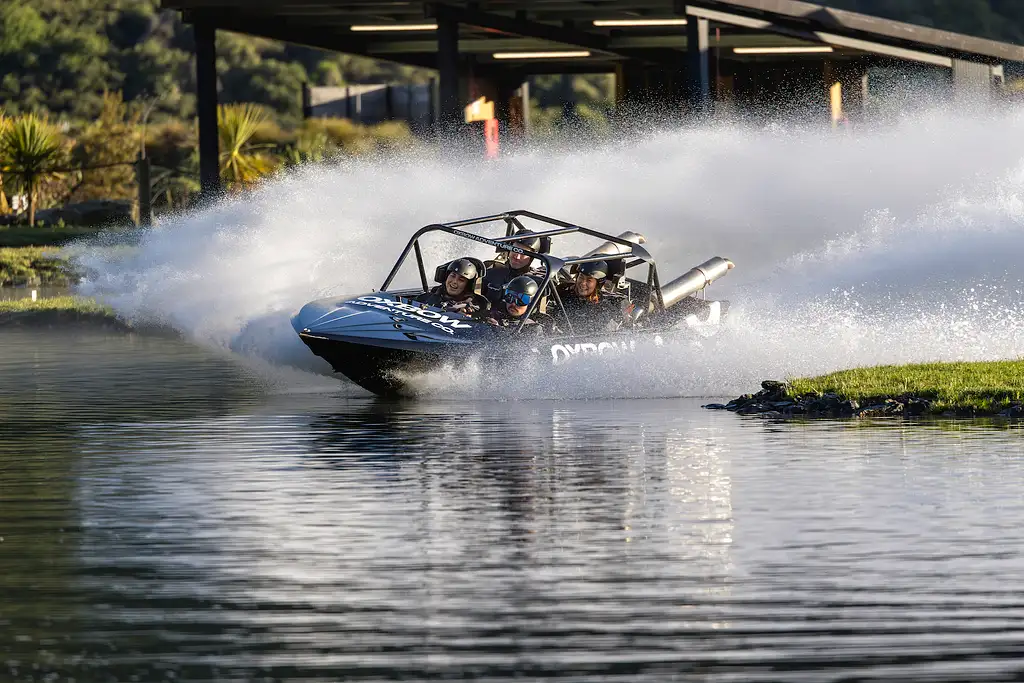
774	401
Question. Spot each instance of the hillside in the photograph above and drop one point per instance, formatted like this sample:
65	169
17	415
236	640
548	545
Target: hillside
59	56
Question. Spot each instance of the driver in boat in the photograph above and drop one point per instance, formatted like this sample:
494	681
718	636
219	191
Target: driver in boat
500	273
516	297
456	293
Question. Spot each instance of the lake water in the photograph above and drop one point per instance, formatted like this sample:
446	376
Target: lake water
167	513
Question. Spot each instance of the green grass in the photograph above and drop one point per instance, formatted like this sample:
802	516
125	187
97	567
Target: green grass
986	387
71	304
24	236
56	310
33	266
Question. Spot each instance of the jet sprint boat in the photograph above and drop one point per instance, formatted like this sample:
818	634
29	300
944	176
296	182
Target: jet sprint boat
378	339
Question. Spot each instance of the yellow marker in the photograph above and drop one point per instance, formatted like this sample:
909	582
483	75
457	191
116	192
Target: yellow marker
836	98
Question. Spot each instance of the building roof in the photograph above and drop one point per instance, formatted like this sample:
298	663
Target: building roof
497	27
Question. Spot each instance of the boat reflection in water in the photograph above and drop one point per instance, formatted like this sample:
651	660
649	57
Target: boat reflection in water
415	537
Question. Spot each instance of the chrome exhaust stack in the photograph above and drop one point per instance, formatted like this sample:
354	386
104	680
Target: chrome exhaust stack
614	248
694	280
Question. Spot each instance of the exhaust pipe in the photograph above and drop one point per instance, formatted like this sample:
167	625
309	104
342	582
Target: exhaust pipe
694	280
613	248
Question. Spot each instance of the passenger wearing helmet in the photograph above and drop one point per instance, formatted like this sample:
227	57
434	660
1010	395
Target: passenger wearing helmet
499	273
583	300
586	288
456	292
516	298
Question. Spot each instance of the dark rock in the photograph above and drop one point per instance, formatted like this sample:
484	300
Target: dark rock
782	404
918	406
893	407
772	390
1015	410
772	401
847	408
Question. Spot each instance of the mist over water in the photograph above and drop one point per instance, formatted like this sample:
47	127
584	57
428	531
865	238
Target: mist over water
891	245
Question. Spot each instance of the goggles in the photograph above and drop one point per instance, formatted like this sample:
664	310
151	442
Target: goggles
517	298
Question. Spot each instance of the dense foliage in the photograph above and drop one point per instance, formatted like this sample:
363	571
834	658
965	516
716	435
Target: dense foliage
60	56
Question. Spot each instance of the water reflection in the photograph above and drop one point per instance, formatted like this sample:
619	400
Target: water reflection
410	529
203	523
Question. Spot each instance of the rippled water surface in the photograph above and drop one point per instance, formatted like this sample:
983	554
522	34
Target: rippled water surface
169	514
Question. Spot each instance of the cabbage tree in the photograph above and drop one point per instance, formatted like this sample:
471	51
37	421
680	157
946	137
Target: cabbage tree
241	162
30	152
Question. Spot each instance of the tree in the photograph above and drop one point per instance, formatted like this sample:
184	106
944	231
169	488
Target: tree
241	164
112	139
30	151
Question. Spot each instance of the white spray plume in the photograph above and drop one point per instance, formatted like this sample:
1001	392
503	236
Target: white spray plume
874	246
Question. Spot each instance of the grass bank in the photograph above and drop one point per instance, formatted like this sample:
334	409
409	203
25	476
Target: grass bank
988	387
993	388
34	266
55	310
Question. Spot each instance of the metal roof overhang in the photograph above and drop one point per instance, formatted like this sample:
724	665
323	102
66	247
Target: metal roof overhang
545	25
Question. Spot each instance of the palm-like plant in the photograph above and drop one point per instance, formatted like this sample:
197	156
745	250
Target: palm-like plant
30	148
241	164
311	146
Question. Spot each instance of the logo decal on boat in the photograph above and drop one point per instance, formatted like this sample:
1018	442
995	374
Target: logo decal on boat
423	315
563	352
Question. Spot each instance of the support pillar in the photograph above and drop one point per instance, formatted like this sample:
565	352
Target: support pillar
449	108
206	107
631	91
142	176
508	108
698	75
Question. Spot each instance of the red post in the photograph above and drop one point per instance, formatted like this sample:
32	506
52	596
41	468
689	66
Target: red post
491	137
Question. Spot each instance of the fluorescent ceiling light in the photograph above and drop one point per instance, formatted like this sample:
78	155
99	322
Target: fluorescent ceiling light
394	27
640	22
555	54
780	50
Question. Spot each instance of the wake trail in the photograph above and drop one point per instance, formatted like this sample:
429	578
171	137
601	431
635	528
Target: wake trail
881	246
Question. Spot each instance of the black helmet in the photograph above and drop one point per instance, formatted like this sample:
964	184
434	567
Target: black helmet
595	269
520	291
531	243
465	268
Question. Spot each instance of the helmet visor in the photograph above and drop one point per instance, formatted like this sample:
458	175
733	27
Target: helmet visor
517	298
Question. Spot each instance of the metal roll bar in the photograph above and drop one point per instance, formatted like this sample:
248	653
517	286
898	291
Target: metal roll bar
552	264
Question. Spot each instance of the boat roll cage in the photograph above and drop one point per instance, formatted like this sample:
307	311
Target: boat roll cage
552	264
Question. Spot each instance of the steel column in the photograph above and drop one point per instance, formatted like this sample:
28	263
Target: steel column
698	76
450	114
206	106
